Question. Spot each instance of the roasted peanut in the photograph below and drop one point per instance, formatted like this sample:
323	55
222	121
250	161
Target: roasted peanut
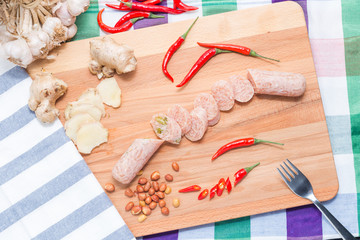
140	173
160	194
142	181
142	218
155	198
152	205
136	210
129	192
168	190
162	187
176	202
155	186
129	206
155	176
151	191
109	187
139	189
142	196
162	203
142	203
175	166
165	211
148	200
146	210
169	177
147	186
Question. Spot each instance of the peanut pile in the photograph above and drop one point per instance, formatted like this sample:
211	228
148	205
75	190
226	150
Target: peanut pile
151	193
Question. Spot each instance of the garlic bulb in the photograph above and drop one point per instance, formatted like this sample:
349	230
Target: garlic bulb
18	52
56	31
76	7
63	14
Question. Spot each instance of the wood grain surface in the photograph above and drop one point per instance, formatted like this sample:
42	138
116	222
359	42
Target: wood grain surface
277	31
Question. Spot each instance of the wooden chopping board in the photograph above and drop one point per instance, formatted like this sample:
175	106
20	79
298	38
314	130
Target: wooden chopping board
278	31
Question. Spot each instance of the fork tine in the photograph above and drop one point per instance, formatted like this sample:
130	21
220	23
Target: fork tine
293	166
290	177
283	177
292	172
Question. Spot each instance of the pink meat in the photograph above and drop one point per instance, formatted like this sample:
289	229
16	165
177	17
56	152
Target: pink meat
208	103
199	124
223	94
134	159
277	83
166	128
181	116
243	90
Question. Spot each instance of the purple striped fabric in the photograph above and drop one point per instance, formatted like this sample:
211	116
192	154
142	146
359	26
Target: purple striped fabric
152	22
173	235
304	222
302	3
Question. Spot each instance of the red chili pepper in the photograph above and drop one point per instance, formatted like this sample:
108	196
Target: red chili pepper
135	14
203	194
206	56
125	8
150	8
122	28
235	48
152	2
213	191
228	185
239	175
192	188
175	46
240	143
221	186
182	6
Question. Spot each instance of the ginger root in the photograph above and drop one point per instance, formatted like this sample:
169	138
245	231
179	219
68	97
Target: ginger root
109	56
44	91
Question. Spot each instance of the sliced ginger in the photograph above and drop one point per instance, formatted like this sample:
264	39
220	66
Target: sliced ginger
74	124
75	108
110	92
90	136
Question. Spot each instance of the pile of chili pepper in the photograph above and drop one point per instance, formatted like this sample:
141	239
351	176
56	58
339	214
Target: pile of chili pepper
138	11
243	142
223	184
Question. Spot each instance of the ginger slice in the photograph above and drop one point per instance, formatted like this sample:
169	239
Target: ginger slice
75	108
110	92
90	136
73	124
92	96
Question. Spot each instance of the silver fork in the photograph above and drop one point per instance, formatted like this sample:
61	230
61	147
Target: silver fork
301	186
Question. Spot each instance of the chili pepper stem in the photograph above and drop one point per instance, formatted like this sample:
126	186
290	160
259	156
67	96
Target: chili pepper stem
254	54
186	33
155	16
248	169
222	51
264	141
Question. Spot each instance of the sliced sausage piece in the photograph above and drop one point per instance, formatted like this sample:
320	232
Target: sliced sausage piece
243	89
208	103
166	128
134	159
199	124
181	116
277	83
223	93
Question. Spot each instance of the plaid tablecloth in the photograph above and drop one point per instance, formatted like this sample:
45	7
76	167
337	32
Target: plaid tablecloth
334	32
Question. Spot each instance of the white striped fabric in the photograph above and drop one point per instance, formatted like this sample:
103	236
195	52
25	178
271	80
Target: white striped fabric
46	189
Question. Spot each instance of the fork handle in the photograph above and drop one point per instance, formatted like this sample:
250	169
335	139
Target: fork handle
345	234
